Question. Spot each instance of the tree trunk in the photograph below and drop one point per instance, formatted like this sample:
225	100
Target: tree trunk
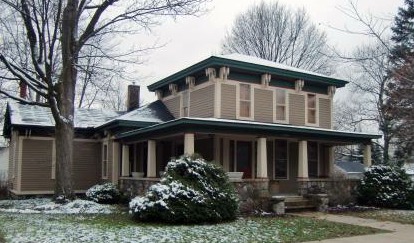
64	113
64	159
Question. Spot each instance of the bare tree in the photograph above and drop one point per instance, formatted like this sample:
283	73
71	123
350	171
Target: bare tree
51	35
369	65
274	32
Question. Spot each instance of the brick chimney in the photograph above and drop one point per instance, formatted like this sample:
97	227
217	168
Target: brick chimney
23	90
133	97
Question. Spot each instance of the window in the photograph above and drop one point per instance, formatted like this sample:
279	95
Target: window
311	103
245	100
281	159
105	161
313	159
281	105
185	103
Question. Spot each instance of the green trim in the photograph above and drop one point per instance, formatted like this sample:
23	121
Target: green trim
215	61
259	129
125	123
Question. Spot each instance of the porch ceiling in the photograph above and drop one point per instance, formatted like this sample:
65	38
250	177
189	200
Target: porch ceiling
224	126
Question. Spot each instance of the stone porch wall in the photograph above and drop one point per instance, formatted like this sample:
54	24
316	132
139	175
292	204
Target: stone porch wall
339	191
253	195
133	187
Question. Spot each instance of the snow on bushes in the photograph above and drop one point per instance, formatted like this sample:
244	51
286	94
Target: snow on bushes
191	191
386	186
105	193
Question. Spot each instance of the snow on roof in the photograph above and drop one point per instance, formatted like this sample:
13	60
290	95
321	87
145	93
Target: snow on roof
30	115
154	112
264	62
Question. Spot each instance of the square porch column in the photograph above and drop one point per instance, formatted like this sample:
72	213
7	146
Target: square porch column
152	159
331	154
303	160
125	160
189	143
261	158
367	155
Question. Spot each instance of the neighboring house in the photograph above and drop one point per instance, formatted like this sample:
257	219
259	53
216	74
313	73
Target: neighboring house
270	121
352	169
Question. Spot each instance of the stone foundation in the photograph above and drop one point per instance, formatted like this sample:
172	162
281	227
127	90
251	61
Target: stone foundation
253	195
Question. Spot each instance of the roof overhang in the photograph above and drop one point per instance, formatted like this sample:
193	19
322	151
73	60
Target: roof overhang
223	126
222	61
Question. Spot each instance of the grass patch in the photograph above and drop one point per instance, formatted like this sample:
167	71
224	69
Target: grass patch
2	240
120	228
399	216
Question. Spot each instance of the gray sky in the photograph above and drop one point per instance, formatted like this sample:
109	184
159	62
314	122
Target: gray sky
191	39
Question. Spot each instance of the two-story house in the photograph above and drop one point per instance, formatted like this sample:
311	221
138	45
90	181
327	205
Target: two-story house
270	121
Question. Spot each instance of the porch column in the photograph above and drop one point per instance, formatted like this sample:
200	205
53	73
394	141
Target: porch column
151	159
303	160
261	158
331	155
115	163
125	160
189	143
367	155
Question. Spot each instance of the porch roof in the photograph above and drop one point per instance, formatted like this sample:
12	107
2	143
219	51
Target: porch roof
225	126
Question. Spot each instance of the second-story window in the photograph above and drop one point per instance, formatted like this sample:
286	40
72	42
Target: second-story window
185	103
311	106
245	100
281	105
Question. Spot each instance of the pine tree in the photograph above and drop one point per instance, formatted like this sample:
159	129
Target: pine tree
401	91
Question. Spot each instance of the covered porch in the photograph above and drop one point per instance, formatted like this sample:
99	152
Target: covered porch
274	158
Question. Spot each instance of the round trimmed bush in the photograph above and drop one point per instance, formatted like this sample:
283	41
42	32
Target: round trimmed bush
387	187
191	191
104	193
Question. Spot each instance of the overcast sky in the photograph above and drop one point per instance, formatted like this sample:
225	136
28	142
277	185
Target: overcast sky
190	39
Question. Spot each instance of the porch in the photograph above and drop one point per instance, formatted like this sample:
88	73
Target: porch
274	158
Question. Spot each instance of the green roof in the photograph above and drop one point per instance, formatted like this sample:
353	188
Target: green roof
214	125
250	64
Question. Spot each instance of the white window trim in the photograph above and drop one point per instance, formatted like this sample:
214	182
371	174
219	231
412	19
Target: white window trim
316	124
286	121
252	87
287	161
105	176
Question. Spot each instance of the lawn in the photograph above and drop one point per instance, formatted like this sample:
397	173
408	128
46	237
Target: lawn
399	216
39	227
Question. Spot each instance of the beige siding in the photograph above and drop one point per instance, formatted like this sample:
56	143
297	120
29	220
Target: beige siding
86	164
173	106
297	109
325	113
263	105
228	101
37	165
13	154
202	102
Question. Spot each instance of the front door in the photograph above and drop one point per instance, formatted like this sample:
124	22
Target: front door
290	185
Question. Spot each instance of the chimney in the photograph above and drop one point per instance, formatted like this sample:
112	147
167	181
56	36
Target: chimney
133	97
23	90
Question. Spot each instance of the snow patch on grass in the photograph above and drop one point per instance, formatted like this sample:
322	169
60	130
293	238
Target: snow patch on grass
45	205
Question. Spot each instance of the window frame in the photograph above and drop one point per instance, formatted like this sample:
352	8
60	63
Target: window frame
314	160
274	160
248	101
315	109
285	105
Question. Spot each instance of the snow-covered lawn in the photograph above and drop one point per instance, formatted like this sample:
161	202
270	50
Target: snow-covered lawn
40	220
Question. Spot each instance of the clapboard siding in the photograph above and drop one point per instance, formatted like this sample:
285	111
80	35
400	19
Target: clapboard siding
263	105
202	102
37	165
297	109
173	106
86	164
325	113
228	101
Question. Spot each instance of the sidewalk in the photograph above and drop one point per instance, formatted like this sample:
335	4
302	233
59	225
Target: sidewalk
401	233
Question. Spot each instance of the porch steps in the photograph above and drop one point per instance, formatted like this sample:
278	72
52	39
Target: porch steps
297	203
